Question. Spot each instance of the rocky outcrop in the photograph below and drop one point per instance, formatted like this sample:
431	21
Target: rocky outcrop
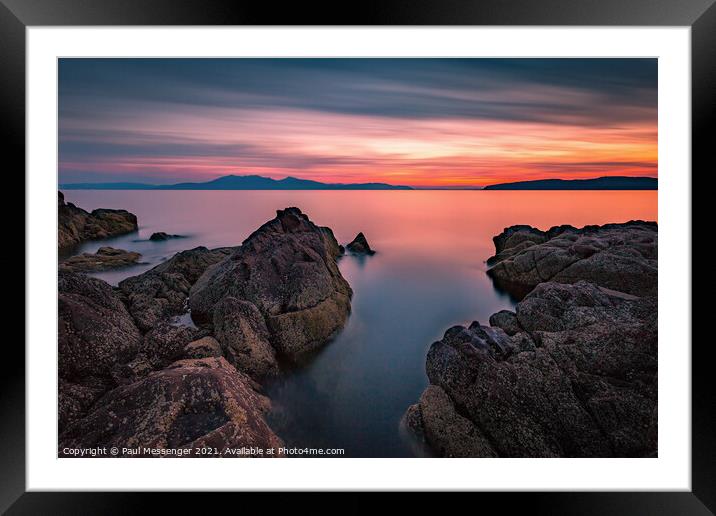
188	405
572	372
622	257
161	236
105	258
287	270
76	225
95	334
359	245
162	292
131	376
578	380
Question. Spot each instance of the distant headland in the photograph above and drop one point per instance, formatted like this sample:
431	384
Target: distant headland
599	183
233	182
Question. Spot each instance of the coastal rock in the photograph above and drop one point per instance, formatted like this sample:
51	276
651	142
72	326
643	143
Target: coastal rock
95	333
244	338
104	259
161	236
162	292
436	423
622	257
359	245
203	348
588	389
76	225
192	403
95	330
287	269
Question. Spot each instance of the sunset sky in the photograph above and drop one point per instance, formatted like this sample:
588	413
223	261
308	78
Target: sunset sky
417	122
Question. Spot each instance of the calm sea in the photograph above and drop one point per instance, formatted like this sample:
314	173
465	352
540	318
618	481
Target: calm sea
428	274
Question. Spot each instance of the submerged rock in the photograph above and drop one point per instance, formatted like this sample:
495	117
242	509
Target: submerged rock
622	257
105	258
162	292
192	403
287	270
76	225
359	245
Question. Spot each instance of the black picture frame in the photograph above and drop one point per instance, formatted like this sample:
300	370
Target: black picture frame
700	15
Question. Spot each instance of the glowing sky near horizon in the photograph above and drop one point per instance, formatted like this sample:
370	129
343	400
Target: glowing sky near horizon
417	122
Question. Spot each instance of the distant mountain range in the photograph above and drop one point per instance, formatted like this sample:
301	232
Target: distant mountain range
238	183
599	183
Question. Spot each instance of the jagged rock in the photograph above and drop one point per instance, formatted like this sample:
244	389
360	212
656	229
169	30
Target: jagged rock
192	403
203	348
162	292
287	269
588	389
359	245
622	257
104	259
244	338
76	225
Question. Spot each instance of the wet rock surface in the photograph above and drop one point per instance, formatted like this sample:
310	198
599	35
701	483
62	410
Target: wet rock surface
76	225
572	372
105	258
287	269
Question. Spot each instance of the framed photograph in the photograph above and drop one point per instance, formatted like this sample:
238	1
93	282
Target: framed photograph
436	247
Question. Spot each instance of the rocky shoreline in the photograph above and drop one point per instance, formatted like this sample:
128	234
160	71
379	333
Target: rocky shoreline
175	357
76	225
130	377
572	372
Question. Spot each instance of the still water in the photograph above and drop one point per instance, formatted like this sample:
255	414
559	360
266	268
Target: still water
427	275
